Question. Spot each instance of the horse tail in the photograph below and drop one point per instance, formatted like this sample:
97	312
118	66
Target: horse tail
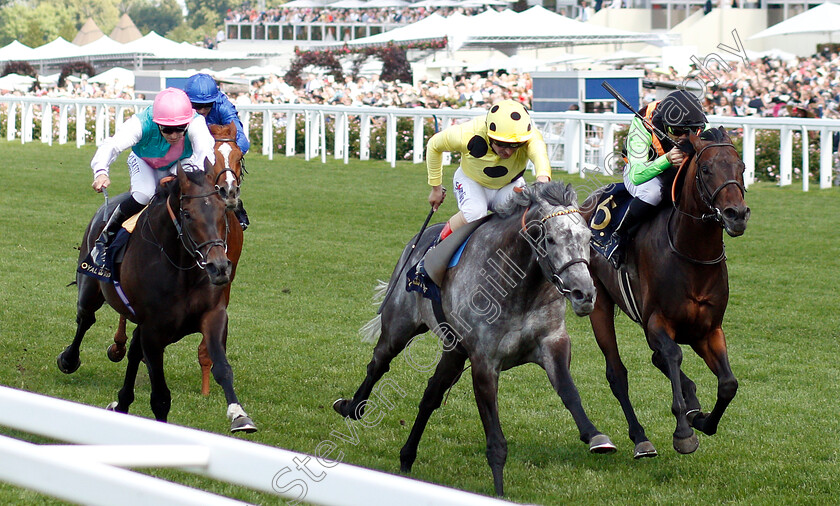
371	330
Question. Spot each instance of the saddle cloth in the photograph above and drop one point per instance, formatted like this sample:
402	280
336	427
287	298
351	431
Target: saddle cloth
609	212
113	255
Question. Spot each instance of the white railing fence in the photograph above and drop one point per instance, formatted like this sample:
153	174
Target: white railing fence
577	142
90	471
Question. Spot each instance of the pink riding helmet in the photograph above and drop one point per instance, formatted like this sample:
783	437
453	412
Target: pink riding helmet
172	108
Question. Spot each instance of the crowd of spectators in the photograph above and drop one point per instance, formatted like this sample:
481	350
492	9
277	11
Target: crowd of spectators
770	87
391	15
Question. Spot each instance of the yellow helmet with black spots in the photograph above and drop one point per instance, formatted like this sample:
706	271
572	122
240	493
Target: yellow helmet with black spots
509	121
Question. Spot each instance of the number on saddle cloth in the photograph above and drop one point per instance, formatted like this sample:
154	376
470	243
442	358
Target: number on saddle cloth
610	211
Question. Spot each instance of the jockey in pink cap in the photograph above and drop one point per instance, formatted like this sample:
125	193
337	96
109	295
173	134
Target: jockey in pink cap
159	137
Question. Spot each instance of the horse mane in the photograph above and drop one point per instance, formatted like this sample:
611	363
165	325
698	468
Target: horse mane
717	135
555	193
165	189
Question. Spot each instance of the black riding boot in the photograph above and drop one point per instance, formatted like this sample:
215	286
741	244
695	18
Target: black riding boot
638	212
126	209
241	215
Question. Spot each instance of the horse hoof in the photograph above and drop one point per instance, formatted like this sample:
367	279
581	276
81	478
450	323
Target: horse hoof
112	406
64	367
686	445
601	444
243	424
115	353
644	449
338	406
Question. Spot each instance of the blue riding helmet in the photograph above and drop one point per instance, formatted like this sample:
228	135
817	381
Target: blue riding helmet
202	89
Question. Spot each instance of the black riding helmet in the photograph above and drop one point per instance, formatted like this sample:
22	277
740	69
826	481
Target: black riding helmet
680	109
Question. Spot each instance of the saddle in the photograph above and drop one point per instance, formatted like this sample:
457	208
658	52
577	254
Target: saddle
114	254
609	213
427	275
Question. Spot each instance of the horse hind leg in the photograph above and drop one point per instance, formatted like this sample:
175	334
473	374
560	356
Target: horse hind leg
556	365
446	374
88	301
393	338
116	351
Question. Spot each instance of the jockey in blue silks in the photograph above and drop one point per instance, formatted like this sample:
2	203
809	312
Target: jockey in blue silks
217	109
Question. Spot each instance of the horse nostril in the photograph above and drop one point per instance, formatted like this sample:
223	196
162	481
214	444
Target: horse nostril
577	295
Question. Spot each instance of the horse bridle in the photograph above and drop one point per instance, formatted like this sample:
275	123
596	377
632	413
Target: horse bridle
557	281
238	178
708	197
192	247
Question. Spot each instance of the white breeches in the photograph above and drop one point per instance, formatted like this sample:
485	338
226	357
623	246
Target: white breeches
474	200
649	191
145	178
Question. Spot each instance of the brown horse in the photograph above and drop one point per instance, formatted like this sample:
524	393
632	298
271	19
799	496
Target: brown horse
175	279
677	272
227	177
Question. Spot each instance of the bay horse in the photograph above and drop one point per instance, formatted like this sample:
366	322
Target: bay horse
676	267
175	278
227	178
506	303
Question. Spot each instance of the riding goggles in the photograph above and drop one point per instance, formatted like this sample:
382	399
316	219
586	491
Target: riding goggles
169	130
197	106
508	145
680	131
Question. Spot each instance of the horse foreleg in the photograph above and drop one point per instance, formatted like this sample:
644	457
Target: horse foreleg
206	364
160	398
556	360
486	387
446	374
667	356
713	352
89	300
603	325
135	355
214	328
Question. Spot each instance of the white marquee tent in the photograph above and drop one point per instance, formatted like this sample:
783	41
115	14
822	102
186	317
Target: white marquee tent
822	19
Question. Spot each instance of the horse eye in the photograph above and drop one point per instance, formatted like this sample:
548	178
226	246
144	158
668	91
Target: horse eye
186	215
704	168
549	240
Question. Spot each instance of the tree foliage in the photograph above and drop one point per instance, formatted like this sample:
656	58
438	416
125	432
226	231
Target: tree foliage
160	16
220	7
35	25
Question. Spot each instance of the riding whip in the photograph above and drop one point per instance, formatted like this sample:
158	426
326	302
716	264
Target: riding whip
105	214
623	101
410	252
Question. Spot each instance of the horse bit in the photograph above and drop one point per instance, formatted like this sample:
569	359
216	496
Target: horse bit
555	273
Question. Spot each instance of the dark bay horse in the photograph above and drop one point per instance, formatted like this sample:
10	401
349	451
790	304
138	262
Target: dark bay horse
227	178
505	305
677	272
175	277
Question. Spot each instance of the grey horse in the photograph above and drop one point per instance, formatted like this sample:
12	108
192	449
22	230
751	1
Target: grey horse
504	305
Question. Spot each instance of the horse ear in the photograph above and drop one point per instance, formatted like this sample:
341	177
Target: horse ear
232	126
208	167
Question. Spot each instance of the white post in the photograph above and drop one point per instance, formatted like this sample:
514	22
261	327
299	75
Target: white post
785	156
748	155
80	125
391	140
267	135
825	157
364	137
62	124
100	116
307	134
322	125
340	135
419	144
10	121
806	162
46	123
291	124
26	123
572	144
